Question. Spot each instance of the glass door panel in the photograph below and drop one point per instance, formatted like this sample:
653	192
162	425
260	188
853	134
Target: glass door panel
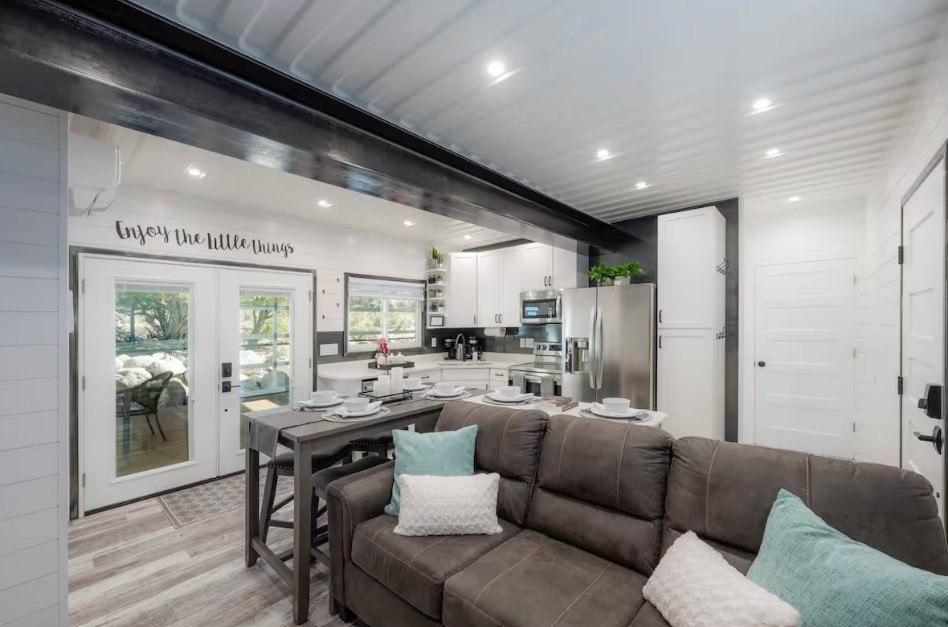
152	344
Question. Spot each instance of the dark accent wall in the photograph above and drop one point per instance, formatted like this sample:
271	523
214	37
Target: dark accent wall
509	343
643	247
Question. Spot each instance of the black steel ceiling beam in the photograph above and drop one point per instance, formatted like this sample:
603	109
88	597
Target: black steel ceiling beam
120	63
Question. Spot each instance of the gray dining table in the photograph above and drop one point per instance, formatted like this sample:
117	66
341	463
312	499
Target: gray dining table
303	439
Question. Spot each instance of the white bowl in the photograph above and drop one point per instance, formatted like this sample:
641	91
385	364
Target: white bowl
508	390
412	383
616	405
323	396
356	404
445	388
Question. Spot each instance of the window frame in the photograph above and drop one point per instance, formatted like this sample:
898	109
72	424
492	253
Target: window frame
358	349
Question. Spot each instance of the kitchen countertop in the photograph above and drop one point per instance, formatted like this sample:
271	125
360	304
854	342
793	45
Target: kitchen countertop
360	371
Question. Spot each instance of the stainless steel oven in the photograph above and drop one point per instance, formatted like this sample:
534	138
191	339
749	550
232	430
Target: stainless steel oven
544	375
541	307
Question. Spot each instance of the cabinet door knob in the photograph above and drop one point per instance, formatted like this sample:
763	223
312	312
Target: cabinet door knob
761	364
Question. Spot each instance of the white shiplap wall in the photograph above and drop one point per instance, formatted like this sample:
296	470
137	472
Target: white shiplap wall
33	362
879	288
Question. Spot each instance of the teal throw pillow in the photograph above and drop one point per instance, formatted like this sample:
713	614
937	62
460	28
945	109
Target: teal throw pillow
442	454
834	581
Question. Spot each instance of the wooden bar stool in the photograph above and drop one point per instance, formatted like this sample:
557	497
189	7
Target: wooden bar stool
282	466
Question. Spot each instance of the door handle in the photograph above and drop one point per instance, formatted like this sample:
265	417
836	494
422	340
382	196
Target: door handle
659	316
935	438
931	402
761	364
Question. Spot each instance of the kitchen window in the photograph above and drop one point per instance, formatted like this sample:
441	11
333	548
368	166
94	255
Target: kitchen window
377	307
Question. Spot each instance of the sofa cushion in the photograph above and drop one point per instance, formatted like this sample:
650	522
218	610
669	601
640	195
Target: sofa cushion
649	616
415	568
508	443
601	487
724	492
533	580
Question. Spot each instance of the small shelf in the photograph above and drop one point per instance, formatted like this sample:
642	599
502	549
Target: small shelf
437	286
436	270
435	298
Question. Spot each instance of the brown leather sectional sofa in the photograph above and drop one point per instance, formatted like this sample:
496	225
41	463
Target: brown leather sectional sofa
587	509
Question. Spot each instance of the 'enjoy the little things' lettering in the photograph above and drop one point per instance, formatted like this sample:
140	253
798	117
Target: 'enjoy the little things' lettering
219	241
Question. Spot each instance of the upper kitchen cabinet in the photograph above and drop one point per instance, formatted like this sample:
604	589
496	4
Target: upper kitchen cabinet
547	267
513	265
488	289
460	305
537	267
691	265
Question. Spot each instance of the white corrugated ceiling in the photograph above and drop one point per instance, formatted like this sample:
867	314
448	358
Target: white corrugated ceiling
665	86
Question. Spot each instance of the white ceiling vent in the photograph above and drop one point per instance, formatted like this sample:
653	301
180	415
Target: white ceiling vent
95	171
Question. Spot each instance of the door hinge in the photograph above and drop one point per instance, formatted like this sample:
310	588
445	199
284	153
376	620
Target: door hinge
310	295
82	286
901	385
901	254
854	352
83	382
310	362
854	427
83	479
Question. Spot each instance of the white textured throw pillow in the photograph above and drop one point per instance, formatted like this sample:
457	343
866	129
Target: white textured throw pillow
694	586
446	506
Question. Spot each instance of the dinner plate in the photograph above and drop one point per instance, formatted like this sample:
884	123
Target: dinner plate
315	405
599	410
420	388
519	398
368	411
458	391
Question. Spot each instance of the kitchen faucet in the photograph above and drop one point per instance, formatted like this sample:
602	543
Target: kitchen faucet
459	343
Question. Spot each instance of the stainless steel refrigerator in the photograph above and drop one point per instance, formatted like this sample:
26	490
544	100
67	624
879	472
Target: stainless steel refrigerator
608	343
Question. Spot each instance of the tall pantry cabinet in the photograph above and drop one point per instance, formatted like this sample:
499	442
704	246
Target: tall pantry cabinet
691	326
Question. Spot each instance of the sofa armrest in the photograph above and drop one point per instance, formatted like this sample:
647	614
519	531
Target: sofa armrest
352	500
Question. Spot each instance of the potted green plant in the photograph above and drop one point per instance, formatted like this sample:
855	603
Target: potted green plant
625	272
435	258
601	274
434	279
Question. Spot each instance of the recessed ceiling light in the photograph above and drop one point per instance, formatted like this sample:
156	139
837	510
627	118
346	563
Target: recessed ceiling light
641	185
324	203
496	68
602	153
762	104
773	152
793	199
408	223
467	237
195	172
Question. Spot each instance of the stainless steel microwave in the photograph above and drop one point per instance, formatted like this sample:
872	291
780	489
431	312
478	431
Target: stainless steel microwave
542	307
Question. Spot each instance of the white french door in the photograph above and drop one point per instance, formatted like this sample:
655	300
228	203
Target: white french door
923	330
154	339
265	335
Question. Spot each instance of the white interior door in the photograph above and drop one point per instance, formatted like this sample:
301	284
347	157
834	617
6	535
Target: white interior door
147	355
923	325
804	386
266	338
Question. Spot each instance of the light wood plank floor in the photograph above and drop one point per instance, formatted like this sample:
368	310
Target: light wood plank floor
130	566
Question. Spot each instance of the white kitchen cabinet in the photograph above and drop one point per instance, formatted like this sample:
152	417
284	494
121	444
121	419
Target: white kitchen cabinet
537	267
488	289
427	376
691	382
565	274
512	264
499	378
461	301
691	317
691	248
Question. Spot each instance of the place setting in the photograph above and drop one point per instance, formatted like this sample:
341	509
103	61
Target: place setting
319	401
615	409
510	396
446	390
356	409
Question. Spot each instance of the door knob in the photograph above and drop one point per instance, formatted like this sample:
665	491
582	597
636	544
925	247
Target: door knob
761	363
935	438
931	402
